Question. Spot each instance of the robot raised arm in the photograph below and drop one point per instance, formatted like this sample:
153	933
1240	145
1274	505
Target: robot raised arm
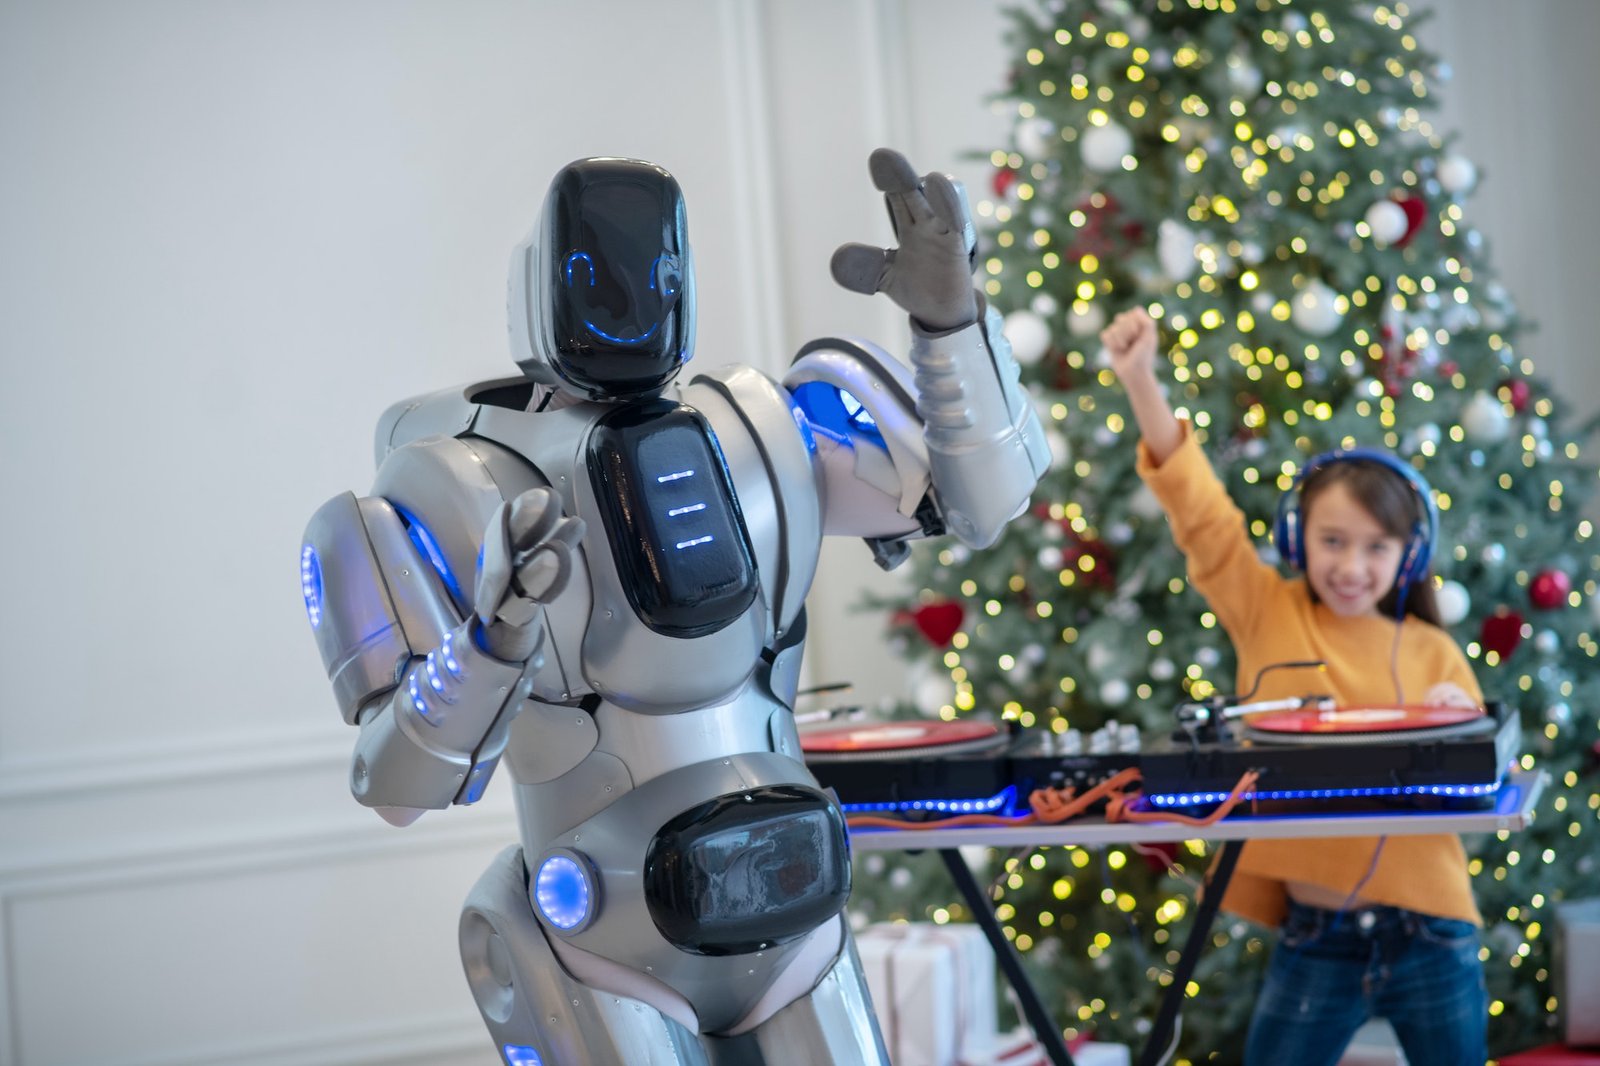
982	449
432	672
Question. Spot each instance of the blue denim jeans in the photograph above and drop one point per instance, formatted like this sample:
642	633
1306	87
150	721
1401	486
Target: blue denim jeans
1332	971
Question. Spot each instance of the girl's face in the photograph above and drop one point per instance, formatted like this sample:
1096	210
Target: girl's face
1351	560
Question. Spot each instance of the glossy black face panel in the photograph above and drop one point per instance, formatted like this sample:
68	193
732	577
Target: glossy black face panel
672	518
748	870
618	240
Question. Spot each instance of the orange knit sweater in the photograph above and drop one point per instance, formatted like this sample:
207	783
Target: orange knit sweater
1272	619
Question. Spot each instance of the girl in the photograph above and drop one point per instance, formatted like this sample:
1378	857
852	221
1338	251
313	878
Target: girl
1370	927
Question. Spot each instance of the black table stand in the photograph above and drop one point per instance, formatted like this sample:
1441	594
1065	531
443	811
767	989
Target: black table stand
1033	1011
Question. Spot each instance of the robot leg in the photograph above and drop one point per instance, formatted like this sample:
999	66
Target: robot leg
537	1013
833	1023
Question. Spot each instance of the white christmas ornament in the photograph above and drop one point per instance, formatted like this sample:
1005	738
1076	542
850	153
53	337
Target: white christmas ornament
1208	657
1243	75
1485	420
1060	448
1252	253
1387	221
1143	503
1035	137
1044	304
1457	318
1100	658
1088	322
1548	642
1315	310
1162	669
1457	175
932	692
1453	602
1049	557
1103	147
1175	250
1029	336
1114	692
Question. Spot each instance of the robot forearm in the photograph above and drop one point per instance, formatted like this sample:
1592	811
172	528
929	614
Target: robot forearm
437	739
986	449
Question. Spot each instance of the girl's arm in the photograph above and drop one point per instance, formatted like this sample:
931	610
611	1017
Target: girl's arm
1130	341
1206	525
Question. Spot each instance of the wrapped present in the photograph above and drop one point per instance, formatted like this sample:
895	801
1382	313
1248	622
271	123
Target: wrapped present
1576	971
933	989
1552	1055
1021	1048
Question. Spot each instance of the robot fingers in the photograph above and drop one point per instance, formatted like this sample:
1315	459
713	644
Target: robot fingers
531	517
861	267
544	569
948	199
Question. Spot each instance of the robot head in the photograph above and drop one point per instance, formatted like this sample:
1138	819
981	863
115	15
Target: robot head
602	291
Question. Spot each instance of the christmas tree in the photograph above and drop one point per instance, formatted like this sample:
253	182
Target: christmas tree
1261	175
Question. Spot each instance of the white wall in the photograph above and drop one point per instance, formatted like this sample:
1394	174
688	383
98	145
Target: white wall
230	235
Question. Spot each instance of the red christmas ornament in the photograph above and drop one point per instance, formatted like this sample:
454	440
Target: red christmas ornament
1004	178
1416	210
937	622
1103	233
1549	589
1516	393
1159	857
1103	573
1501	632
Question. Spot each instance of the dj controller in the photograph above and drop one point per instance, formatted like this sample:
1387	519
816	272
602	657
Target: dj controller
1302	752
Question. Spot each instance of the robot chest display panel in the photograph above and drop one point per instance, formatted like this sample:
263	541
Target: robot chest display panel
672	518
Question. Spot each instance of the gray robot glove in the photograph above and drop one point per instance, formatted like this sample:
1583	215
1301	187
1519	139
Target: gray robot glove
527	561
930	273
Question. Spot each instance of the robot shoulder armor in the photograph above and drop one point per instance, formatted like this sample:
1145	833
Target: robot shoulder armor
448	412
445	489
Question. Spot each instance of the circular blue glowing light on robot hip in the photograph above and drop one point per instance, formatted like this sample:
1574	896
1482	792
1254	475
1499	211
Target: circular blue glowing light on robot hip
564	892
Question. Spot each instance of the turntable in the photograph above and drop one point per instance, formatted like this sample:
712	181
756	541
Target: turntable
1408	755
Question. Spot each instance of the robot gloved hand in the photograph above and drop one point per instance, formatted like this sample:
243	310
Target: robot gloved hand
930	274
527	561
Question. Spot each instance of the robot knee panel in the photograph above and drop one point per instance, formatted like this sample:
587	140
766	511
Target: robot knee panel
535	1010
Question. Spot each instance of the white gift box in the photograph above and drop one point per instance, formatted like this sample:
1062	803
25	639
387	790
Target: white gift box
1577	971
1021	1048
933	990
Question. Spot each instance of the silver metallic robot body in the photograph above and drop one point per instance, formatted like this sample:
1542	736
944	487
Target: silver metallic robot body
677	893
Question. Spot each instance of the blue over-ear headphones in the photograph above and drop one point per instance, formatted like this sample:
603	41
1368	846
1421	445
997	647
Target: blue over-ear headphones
1288	529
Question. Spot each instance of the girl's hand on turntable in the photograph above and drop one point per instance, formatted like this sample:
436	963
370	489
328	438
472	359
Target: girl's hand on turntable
1448	694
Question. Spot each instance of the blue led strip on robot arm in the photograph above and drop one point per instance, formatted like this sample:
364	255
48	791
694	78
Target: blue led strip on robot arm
430	550
311	584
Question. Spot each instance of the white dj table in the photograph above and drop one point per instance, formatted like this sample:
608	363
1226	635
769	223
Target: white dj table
1514	808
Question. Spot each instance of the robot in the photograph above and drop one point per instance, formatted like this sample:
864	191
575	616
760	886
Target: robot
595	574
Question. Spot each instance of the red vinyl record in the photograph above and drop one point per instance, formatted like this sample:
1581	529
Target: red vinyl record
896	736
1375	719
